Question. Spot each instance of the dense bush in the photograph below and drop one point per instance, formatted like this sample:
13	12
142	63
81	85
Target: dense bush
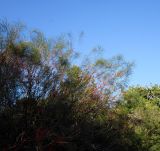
49	103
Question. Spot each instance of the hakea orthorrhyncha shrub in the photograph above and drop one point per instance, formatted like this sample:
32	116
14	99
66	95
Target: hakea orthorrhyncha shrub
49	103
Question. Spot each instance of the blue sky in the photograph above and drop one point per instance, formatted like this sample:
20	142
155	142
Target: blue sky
127	27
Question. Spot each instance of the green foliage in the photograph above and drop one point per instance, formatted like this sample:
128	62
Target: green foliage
49	103
142	105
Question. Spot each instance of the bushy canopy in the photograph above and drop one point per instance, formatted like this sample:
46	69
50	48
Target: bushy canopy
49	103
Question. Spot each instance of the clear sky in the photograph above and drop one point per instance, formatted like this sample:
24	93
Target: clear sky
127	27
